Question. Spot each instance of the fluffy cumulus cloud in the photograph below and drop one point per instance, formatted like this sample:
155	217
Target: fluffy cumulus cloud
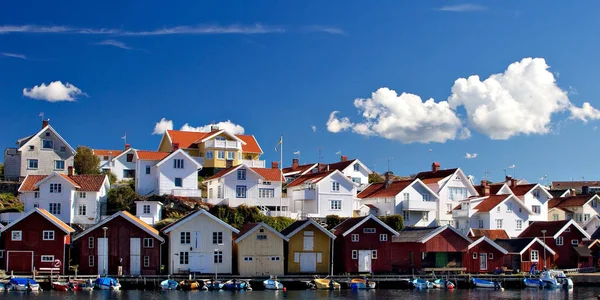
54	92
470	155
314	128
584	113
163	125
405	118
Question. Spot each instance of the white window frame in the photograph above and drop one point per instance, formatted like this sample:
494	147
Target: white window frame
519	225
82	195
56	188
536	209
55	208
47	258
56	162
209	154
184	258
20	235
146	209
559	241
185	238
480	223
241	174
499	223
574	242
217	238
221	155
148	243
373	254
48	235
335	204
369	230
241	191
383	237
82	210
354	254
425	216
335	186
356	167
355	237
51	144
91	242
474	255
29	164
406	215
91	260
230	155
509	207
178	163
490	255
146	261
406	196
537	255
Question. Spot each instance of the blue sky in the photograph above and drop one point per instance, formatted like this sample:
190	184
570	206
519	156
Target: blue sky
282	67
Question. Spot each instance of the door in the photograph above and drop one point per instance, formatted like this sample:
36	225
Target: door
364	261
441	259
483	261
308	262
197	262
20	261
197	240
102	255
135	251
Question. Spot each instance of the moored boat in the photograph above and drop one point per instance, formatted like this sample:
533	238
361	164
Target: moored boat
486	283
555	279
533	283
107	283
213	285
168	284
23	284
188	285
326	284
441	283
236	285
361	284
422	284
60	286
272	284
81	285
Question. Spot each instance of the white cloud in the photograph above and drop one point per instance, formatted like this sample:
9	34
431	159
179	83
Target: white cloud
584	113
54	92
466	7
14	55
163	125
470	155
114	43
314	128
405	118
325	29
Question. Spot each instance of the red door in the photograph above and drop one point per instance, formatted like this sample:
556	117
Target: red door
20	261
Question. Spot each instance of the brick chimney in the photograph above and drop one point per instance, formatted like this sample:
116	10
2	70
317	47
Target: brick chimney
344	158
513	182
572	192
389	178
295	163
175	146
275	165
127	146
486	187
44	123
435	167
322	167
71	171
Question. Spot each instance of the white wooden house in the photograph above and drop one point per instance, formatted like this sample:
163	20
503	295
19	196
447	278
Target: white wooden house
160	173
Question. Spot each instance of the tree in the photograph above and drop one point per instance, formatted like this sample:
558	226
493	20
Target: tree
333	220
396	222
1	169
122	197
86	162
112	178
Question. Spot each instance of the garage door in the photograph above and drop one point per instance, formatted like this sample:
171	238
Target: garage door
20	261
308	262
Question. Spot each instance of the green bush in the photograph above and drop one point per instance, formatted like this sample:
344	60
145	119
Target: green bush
122	197
333	220
396	222
243	214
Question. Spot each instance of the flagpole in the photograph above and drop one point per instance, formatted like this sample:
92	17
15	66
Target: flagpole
281	174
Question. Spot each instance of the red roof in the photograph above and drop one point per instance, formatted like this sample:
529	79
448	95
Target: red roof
491	234
85	183
535	228
151	155
346	225
310	178
28	184
494	189
434	177
221	173
60	223
188	139
269	174
341	165
113	153
378	190
247	227
490	202
569	201
300	169
251	144
521	190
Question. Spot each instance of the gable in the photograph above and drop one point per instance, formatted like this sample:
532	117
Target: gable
338	177
36	140
459	179
197	219
123	218
179	154
251	234
368	222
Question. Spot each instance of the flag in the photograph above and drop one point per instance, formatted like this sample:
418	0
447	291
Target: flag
338	153
279	143
42	114
124	137
297	153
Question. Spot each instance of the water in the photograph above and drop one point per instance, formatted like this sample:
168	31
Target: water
529	294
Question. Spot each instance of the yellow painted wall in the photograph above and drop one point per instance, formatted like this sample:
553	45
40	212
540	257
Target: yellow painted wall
561	214
164	146
322	244
261	252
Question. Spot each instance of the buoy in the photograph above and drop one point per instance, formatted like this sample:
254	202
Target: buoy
284	289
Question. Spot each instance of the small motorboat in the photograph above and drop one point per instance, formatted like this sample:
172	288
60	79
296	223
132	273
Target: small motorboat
188	285
422	284
2	287
82	285
213	285
404	284
480	283
60	286
236	285
361	284
168	284
272	284
107	283
326	284
533	283
555	279
441	283
23	284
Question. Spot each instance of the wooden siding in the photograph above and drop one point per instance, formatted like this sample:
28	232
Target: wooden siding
473	265
321	244
261	252
366	241
566	255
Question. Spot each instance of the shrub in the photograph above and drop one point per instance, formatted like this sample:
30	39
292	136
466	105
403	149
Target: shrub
396	222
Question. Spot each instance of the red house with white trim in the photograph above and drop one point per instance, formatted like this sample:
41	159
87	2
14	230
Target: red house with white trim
36	240
483	256
524	252
363	245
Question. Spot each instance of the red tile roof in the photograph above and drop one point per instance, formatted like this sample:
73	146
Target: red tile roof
269	174
113	153
491	234
151	155
490	202
56	220
521	190
310	178
433	177
494	189
551	227
569	201
251	144
341	165
28	184
86	183
71	180
378	190
188	139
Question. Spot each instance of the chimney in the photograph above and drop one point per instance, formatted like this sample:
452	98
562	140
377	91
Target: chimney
344	158
295	163
389	178
572	192
322	167
44	123
435	167
71	171
486	188
275	165
175	146
214	128
585	189
127	146
513	182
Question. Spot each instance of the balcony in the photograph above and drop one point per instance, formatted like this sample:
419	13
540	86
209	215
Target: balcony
220	144
419	205
461	213
254	163
187	193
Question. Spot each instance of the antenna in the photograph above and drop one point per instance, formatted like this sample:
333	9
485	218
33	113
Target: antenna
320	151
124	138
504	172
42	116
486	175
389	163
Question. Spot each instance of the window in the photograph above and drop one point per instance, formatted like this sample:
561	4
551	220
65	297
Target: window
374	254
559	241
31	147
509	207
519	224
498	209
105	157
56	188
82	195
178	163
63	149
383	237
554	217
586	217
146	209
32	164
354	254
356	180
406	215
219	191
449	207
230	155
406	196
335	204
82	209
218	257
261	237
574	242
185	238
335	186
59	165
595	203
536	193
356	167
54	208
480	223
241	174
128	173
218	238
240	191
568	229
369	230
474	255
209	155
36	194
248	258
47	258
535	255
129	157
499	223
490	255
184	258
147	170
425	216
36	205
16	235
266	193
221	154
91	242
425	197
148	243
275	258
178	182
457	193
47	144
91	260
47	133
355	237
146	261
578	218
536	209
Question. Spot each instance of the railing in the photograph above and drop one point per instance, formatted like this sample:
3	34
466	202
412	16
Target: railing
254	163
461	213
419	205
186	192
223	144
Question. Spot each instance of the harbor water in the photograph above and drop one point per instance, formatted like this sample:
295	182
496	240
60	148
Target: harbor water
483	294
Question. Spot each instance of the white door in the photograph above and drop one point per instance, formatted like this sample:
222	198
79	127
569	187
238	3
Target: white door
364	261
196	262
102	255
135	251
308	262
483	261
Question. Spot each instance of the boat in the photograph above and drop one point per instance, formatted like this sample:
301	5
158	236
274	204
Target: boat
107	283
361	284
213	285
486	283
404	284
533	283
441	283
168	284
60	286
236	285
188	285
272	284
555	279
326	284
22	284
81	285
422	284
2	287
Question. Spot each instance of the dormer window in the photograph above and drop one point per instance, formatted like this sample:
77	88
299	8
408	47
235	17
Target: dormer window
178	163
129	157
47	133
536	193
241	174
47	144
31	147
356	167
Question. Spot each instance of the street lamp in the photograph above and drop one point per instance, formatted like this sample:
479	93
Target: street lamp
105	250
544	238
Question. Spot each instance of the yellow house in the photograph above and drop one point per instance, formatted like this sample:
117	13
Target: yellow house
216	150
259	250
308	248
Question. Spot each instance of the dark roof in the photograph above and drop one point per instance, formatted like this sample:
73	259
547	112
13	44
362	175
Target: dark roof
494	189
535	228
346	225
492	234
378	190
222	172
293	227
596	234
570	201
341	165
413	234
522	189
247	227
431	176
557	193
300	169
583	251
514	245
